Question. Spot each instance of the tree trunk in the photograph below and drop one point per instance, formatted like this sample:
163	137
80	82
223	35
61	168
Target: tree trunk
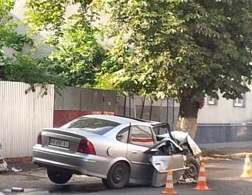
188	125
187	118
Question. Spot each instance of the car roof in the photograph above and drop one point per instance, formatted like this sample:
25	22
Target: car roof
114	118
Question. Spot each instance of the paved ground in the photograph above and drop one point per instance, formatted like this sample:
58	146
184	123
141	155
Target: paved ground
226	149
31	172
213	150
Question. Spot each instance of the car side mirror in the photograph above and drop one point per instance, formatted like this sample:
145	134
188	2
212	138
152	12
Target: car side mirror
119	137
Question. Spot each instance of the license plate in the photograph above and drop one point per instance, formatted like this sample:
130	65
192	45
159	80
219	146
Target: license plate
59	143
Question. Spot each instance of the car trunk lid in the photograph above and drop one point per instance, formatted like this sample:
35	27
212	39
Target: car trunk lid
63	139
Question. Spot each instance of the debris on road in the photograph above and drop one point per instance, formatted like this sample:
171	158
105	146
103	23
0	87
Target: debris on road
17	189
3	165
16	170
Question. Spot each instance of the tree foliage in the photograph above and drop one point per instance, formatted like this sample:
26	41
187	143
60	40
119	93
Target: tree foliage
168	48
9	37
77	56
17	64
182	48
35	72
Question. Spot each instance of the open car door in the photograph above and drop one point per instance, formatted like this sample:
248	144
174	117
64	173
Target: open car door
166	155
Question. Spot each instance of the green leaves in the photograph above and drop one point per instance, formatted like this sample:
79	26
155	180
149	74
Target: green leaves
182	48
9	37
5	7
45	14
167	48
32	71
11	43
77	56
17	63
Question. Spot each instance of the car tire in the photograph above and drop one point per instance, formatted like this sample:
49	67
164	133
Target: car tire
118	176
194	167
58	177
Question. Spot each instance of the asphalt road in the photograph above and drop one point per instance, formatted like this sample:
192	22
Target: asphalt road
223	177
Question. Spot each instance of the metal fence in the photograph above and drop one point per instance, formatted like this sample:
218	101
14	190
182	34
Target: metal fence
22	116
165	110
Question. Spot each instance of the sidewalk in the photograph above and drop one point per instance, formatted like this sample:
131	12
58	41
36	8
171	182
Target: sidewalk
226	149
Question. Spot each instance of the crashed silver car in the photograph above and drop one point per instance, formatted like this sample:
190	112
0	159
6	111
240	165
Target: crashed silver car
119	150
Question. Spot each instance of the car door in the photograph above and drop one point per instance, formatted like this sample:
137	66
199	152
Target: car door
141	138
162	130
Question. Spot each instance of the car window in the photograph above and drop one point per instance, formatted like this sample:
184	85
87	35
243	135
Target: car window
92	123
95	125
123	135
160	130
141	135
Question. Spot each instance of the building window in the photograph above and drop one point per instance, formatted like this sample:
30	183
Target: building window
239	102
211	100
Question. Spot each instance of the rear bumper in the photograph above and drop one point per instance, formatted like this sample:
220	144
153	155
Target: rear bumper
76	163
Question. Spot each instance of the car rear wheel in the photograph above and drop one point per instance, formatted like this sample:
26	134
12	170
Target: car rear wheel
194	167
58	177
118	176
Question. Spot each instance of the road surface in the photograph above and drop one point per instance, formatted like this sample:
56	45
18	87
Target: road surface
223	177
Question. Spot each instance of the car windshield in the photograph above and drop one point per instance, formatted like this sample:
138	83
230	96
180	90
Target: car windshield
95	125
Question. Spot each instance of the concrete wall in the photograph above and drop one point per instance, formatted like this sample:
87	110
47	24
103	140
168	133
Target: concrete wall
73	102
223	132
225	122
225	112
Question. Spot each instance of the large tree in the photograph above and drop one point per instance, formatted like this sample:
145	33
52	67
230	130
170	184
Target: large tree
184	49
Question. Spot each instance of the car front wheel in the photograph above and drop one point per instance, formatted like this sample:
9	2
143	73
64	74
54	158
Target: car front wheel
58	177
194	167
118	176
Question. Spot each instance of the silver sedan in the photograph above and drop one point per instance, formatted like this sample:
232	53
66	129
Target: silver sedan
118	150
